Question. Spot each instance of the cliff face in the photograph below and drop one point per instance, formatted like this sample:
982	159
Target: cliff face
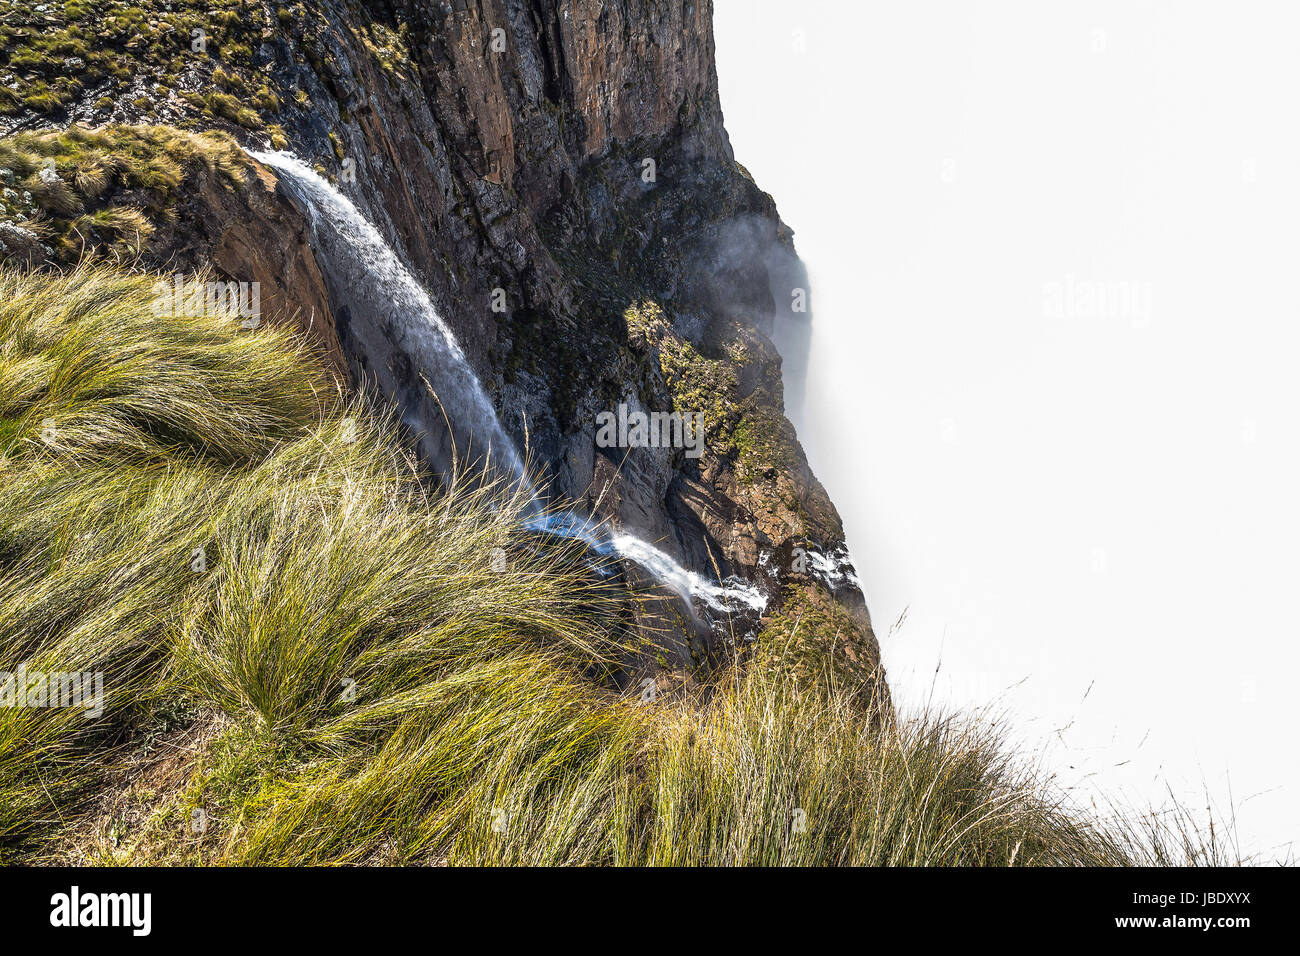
558	176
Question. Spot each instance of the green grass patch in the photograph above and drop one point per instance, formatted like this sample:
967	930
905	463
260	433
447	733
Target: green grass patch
313	654
84	192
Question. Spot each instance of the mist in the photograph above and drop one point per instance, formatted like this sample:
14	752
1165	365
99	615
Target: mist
1047	380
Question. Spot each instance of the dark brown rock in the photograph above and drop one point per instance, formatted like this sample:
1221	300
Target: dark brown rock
506	144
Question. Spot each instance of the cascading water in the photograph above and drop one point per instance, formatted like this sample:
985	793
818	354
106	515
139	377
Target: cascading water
376	280
732	595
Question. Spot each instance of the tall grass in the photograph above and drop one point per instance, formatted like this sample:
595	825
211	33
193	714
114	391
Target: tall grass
379	669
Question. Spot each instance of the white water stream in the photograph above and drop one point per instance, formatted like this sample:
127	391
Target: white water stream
378	278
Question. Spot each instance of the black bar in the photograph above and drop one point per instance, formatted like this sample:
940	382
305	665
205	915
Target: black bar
326	905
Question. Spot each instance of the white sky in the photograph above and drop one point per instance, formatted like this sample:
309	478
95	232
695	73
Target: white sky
1061	495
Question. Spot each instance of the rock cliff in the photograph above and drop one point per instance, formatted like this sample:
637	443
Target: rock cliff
557	175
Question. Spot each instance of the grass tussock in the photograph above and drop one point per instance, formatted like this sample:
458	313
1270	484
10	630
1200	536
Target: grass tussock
69	194
310	655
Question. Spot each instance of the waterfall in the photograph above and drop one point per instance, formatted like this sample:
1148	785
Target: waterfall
398	308
732	594
376	279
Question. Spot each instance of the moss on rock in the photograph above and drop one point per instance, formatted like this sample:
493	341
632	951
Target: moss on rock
814	641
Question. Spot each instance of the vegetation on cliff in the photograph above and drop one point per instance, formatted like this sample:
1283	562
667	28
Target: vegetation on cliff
60	51
180	62
78	193
311	656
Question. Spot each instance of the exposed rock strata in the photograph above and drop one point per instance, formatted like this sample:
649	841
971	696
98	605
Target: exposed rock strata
507	145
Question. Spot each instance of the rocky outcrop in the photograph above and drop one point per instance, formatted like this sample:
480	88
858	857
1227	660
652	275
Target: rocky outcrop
558	176
168	201
258	235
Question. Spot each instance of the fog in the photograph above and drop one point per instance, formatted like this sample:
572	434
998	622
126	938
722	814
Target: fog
1051	253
